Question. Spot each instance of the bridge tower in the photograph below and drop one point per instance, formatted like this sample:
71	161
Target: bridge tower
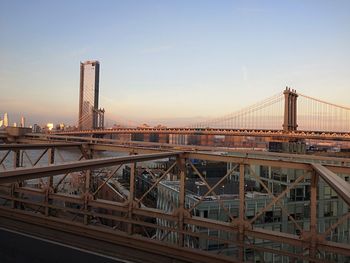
290	110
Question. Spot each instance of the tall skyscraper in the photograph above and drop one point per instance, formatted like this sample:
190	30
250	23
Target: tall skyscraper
23	122
89	114
6	120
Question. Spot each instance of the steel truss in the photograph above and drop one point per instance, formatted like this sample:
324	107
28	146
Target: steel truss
77	213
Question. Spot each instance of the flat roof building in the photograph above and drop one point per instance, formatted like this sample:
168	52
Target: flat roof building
295	209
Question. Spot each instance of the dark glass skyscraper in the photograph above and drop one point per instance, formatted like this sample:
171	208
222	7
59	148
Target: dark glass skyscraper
89	91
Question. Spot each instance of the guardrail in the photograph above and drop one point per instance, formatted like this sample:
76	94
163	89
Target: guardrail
86	213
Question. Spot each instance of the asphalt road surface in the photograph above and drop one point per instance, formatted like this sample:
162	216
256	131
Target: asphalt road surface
21	248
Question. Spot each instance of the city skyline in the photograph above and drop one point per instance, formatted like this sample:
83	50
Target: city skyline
164	61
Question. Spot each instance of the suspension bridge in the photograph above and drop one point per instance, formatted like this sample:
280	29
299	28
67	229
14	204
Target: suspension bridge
66	190
288	114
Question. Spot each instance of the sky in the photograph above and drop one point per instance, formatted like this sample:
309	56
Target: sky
169	61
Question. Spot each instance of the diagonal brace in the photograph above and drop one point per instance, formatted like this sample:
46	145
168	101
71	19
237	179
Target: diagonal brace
110	175
211	189
156	183
276	199
284	210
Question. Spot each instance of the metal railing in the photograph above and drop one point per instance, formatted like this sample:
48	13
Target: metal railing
238	238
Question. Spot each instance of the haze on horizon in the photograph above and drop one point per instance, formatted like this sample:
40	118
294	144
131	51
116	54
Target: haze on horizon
169	61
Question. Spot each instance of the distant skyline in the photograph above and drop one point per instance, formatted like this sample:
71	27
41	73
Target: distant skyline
169	61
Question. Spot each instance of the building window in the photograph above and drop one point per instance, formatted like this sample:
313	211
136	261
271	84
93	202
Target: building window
205	213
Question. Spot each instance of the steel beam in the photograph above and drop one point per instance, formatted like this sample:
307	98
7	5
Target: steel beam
313	216
339	185
34	146
260	160
283	209
156	182
211	189
151	147
39	172
277	198
241	226
5	156
249	160
182	197
109	176
130	228
290	134
342	164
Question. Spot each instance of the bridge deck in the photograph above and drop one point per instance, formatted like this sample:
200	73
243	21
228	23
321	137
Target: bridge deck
23	248
317	135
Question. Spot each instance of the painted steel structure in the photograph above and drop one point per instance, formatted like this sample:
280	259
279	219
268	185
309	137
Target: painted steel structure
317	135
45	207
